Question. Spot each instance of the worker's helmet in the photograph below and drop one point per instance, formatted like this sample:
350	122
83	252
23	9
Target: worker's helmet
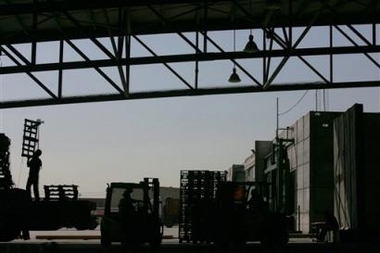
38	152
127	191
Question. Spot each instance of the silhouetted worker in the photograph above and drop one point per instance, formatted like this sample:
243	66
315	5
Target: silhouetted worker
126	208
34	165
127	214
330	224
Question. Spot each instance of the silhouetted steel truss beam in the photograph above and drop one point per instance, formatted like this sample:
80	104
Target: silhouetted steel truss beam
282	44
185	58
117	58
188	92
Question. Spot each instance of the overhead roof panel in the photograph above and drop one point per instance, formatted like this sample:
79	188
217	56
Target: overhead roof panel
23	21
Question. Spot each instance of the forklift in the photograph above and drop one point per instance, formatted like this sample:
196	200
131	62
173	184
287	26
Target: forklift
132	214
228	213
243	210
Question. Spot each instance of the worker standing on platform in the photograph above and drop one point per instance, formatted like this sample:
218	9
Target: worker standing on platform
34	165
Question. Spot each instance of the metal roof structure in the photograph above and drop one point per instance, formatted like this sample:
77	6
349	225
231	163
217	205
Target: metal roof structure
25	25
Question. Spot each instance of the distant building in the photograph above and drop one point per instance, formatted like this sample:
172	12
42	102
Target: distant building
249	167
307	184
254	164
302	150
236	173
325	161
262	150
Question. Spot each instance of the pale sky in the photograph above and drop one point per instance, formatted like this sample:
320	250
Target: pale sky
97	143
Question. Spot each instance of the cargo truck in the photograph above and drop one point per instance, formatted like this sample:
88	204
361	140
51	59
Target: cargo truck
19	213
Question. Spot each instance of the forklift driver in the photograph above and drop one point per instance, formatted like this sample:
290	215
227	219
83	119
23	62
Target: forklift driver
126	207
128	214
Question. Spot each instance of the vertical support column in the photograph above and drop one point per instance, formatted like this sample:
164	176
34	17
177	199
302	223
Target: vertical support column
126	32
290	25
280	176
265	77
34	25
127	65
60	71
331	55
196	61
374	34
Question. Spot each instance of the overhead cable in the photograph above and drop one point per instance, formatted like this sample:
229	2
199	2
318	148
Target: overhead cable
291	108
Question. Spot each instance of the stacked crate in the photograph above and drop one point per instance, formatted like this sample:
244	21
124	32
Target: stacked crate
197	195
5	174
61	192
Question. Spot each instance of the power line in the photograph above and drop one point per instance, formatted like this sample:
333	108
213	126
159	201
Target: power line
299	101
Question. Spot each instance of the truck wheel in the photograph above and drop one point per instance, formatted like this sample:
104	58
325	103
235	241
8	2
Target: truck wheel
155	243
14	204
267	240
9	231
282	239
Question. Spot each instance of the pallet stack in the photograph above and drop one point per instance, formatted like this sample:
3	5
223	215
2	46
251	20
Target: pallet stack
61	192
197	195
5	174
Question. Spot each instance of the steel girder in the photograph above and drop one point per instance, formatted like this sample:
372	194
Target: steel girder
283	25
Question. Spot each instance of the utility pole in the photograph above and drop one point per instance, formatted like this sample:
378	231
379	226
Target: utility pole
283	167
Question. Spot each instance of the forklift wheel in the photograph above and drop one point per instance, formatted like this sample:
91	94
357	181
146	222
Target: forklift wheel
155	243
283	239
9	231
105	241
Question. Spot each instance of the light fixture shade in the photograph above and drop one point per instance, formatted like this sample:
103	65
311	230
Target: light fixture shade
234	78
251	46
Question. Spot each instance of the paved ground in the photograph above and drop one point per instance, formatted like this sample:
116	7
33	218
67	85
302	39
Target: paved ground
175	247
296	245
62	233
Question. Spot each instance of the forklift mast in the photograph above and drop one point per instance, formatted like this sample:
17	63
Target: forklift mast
154	184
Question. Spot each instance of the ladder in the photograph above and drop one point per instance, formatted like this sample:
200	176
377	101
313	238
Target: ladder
30	138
